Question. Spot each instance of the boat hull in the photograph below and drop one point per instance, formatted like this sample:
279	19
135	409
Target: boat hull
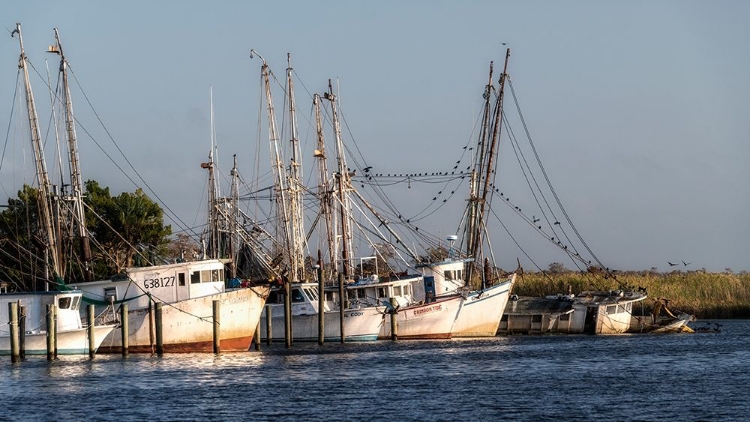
361	324
481	311
70	342
433	320
187	325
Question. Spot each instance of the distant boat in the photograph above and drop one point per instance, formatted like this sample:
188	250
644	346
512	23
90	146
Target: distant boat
72	335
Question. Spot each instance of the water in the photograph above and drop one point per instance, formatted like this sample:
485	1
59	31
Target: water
628	377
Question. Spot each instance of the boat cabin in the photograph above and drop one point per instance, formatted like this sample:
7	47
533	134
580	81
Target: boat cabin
68	306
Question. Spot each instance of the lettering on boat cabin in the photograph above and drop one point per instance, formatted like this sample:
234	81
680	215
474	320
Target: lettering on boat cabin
153	283
353	314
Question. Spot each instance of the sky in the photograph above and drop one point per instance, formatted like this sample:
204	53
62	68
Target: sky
638	110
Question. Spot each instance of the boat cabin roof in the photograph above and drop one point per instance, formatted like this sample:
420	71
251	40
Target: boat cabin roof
592	298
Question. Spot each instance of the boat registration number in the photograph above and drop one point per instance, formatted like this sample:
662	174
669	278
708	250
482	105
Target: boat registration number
153	283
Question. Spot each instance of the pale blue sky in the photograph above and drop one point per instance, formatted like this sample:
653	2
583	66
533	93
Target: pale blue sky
638	109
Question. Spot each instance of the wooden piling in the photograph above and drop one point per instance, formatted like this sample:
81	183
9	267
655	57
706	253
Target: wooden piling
50	332
15	351
256	337
217	326
287	314
269	325
91	327
321	302
342	307
54	337
394	319
159	329
21	330
151	323
124	328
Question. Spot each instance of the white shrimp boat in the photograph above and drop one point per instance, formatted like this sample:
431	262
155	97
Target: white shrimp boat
187	291
608	312
72	335
361	323
416	317
480	310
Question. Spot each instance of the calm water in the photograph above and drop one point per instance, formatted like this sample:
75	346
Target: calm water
643	377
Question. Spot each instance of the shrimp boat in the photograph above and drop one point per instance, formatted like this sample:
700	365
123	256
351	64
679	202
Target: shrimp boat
72	335
361	323
416	317
187	291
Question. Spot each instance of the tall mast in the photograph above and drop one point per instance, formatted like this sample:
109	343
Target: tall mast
324	192
489	170
343	178
473	206
233	229
295	187
41	168
76	181
282	212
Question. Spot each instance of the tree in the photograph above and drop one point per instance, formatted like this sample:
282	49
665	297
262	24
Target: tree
557	268
126	226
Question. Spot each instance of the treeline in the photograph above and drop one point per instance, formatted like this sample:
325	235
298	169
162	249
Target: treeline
704	294
124	230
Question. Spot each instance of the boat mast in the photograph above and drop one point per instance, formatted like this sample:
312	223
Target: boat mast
45	186
324	193
76	182
472	217
233	229
282	212
343	179
295	187
489	170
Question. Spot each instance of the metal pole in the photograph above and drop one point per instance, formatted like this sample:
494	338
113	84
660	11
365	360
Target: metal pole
321	302
50	332
54	324
217	326
269	325
22	330
342	306
124	328
15	352
92	325
159	328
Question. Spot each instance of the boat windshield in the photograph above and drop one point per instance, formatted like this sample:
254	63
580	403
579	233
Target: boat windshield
64	302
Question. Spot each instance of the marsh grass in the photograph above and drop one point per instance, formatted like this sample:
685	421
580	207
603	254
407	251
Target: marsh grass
706	295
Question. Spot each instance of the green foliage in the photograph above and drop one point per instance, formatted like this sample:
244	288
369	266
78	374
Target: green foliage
120	228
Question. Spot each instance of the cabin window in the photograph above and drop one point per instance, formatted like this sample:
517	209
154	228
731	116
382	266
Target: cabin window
459	275
629	306
361	294
64	303
110	293
273	297
297	296
313	294
76	303
536	318
308	294
205	276
181	279
195	277
504	318
612	309
448	275
381	292
329	296
397	291
620	309
564	317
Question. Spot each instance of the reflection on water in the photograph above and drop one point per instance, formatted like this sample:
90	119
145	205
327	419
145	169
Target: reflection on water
700	376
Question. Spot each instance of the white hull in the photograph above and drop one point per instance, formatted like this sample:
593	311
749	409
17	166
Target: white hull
71	342
480	312
188	324
359	325
434	320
